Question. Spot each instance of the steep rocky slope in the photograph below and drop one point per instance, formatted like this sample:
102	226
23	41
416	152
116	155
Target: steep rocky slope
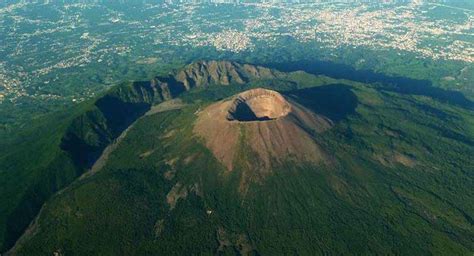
204	73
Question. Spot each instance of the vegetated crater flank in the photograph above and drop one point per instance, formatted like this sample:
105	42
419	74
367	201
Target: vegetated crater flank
258	105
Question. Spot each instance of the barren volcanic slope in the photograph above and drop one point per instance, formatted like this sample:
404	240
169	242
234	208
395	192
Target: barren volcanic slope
261	122
253	161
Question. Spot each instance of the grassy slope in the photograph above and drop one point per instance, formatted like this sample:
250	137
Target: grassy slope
55	151
25	163
367	203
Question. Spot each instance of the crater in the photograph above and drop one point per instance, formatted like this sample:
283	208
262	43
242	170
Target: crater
273	128
258	105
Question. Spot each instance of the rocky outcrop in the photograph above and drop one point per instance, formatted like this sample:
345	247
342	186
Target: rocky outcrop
167	87
205	73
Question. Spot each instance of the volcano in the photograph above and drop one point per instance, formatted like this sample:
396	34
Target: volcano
199	162
265	124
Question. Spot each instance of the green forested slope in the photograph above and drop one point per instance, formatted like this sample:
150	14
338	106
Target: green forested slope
54	152
400	184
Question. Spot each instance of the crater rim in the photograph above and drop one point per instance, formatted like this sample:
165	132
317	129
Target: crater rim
258	105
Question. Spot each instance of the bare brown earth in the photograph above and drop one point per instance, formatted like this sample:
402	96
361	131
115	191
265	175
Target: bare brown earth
166	106
177	192
239	242
390	159
285	135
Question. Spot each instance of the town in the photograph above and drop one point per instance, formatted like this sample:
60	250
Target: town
69	39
